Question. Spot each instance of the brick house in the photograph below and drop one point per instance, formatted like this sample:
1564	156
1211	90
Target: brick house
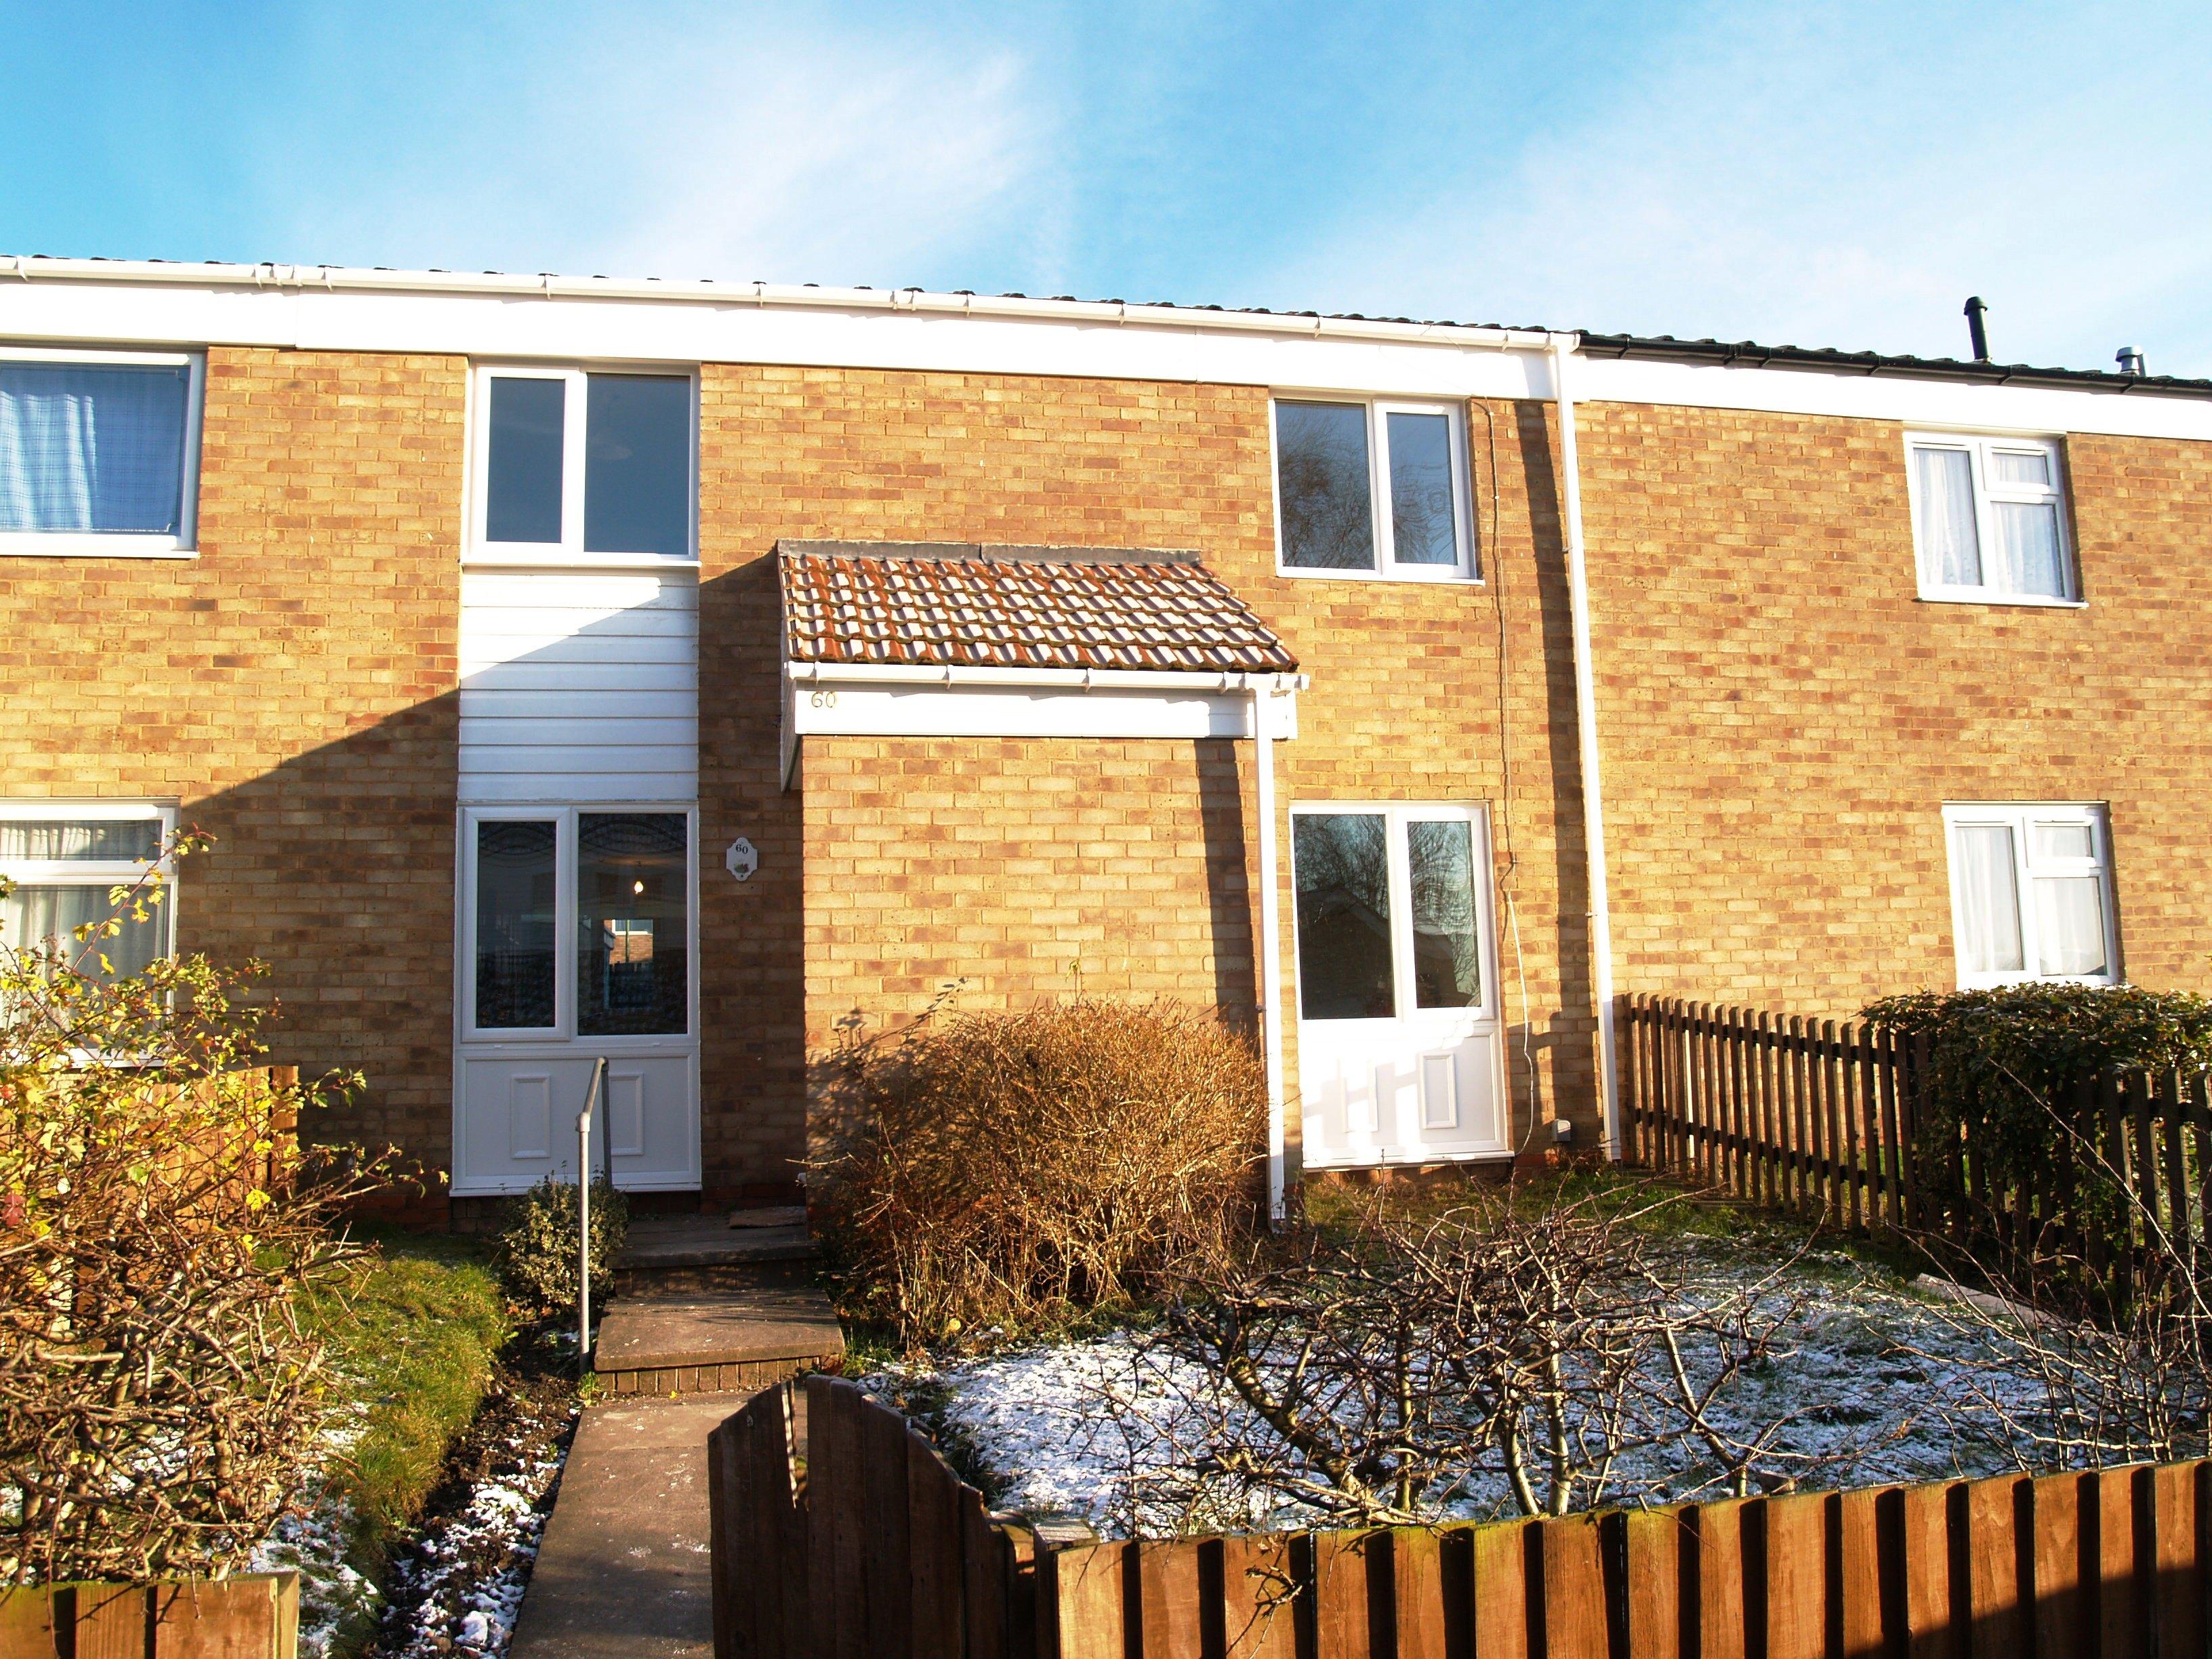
681	673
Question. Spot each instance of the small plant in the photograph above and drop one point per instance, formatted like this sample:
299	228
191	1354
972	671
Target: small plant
1014	1169
537	1245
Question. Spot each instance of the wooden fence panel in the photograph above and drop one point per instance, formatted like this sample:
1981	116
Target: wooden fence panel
2110	1564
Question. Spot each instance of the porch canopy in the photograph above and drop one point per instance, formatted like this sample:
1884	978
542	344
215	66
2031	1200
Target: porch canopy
960	639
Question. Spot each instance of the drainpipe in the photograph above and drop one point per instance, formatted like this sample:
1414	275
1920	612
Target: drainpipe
1271	935
1601	919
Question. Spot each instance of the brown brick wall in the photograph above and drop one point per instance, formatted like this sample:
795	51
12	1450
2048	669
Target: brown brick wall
293	687
1783	718
1406	705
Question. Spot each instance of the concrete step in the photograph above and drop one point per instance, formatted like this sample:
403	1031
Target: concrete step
697	1253
721	1339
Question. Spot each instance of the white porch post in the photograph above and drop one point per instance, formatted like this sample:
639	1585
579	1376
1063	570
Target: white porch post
1271	934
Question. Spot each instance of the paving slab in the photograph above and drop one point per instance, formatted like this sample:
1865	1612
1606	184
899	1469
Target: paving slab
708	1241
740	1325
623	1571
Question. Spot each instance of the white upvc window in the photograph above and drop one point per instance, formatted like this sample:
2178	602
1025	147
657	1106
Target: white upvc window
100	452
594	466
1989	520
1372	487
2032	894
63	859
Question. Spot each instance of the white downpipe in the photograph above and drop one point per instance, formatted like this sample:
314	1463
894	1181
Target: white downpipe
1270	953
1601	919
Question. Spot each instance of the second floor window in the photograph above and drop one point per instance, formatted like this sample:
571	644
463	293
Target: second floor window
97	451
1989	520
572	463
1375	488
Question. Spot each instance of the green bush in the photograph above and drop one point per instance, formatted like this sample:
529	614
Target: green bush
1013	1169
537	1245
2007	1063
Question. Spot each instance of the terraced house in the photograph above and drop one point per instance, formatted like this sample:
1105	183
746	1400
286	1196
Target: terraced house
683	674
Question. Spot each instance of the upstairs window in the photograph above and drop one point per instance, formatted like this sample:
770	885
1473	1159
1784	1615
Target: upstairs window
577	465
2032	894
97	451
1989	520
1378	488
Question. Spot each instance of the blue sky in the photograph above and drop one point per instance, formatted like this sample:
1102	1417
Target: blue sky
1830	175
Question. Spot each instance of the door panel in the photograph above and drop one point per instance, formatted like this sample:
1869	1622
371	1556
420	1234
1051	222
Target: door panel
517	1121
1400	1048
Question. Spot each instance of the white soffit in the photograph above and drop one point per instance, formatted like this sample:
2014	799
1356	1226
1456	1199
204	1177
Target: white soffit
1942	404
873	709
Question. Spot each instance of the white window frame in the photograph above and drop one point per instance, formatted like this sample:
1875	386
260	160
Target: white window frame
569	549
2021	817
564	819
1978	446
102	873
1468	568
125	545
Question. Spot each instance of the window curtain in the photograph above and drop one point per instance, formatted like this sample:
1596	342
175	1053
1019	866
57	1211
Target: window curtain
2070	912
32	916
1989	899
1948	549
92	448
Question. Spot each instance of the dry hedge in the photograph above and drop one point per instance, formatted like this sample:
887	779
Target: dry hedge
1011	1169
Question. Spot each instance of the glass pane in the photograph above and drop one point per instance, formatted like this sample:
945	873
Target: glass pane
1989	899
2065	840
1950	553
1421	526
2019	466
1343	873
1447	967
1322	483
32	916
93	447
515	901
637	464
522	482
2069	918
632	948
113	841
2027	531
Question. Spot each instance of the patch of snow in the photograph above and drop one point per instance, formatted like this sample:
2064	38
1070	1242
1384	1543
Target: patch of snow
1880	1387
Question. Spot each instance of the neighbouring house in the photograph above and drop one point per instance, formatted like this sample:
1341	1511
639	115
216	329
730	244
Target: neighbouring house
681	673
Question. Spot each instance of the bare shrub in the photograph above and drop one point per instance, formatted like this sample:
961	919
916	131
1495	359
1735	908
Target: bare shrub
1549	1347
159	1392
1012	1168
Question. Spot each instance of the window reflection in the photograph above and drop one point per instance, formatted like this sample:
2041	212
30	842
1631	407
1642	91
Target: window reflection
1342	869
1323	486
515	898
1422	530
633	956
1440	863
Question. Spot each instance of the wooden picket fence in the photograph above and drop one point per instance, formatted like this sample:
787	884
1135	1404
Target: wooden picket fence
838	1533
1824	1117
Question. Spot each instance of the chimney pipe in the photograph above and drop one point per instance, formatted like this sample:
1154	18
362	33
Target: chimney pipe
2130	360
1975	330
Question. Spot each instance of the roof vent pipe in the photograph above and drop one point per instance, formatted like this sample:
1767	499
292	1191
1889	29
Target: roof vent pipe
1975	332
2130	358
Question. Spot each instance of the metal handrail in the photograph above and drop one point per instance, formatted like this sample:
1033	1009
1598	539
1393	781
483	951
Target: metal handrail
584	1216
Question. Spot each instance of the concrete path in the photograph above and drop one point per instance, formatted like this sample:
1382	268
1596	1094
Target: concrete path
623	1571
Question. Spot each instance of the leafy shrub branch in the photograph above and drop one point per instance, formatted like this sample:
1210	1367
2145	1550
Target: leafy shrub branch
162	1391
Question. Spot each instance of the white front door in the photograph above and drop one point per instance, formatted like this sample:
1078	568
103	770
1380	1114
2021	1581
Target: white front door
1400	1057
578	935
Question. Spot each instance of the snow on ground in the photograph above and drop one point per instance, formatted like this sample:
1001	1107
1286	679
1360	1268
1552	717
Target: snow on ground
1882	1384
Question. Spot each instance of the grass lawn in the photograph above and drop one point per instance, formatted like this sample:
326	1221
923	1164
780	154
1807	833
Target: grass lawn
415	1337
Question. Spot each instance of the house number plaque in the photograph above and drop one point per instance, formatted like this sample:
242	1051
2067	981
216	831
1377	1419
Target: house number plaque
742	859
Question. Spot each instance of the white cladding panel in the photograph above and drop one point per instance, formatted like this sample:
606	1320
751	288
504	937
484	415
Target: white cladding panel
579	685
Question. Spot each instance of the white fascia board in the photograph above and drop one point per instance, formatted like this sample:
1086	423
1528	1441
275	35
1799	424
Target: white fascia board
826	698
1950	406
573	321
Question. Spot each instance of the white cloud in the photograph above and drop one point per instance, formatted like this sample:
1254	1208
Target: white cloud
732	151
1843	181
